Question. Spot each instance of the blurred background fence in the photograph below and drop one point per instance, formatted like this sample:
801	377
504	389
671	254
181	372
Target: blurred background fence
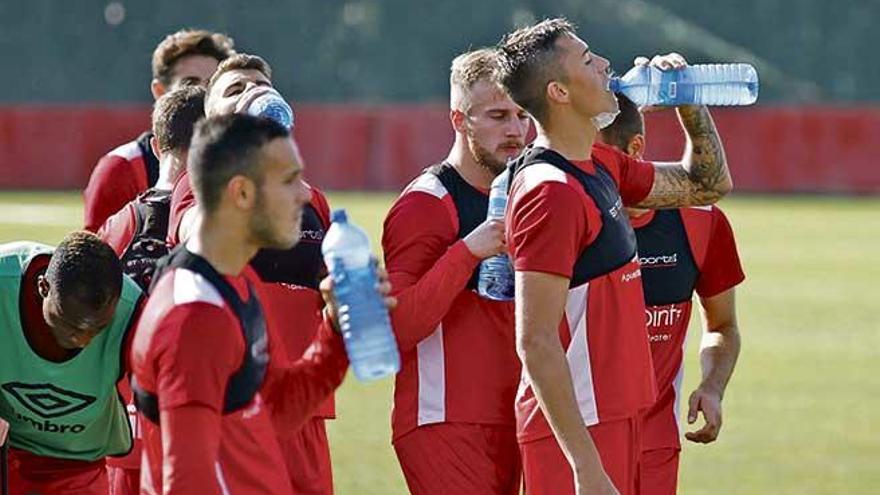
368	79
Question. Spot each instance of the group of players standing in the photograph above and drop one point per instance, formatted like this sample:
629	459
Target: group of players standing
232	360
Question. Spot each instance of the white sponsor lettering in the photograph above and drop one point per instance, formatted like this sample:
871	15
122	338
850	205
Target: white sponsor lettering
312	235
616	208
629	277
659	260
663	316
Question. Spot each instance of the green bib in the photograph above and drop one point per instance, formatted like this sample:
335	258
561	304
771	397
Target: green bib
68	410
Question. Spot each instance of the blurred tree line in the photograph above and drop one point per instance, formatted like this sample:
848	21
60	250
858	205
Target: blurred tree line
376	51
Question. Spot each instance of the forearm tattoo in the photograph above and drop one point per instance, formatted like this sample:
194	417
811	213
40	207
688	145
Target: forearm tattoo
702	176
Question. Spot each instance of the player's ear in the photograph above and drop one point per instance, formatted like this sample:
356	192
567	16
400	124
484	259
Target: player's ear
43	286
242	191
636	146
157	89
154	145
558	92
457	118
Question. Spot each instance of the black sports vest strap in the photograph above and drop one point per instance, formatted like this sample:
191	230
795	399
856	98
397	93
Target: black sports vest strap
471	205
669	271
244	384
615	246
147	245
300	265
151	212
151	161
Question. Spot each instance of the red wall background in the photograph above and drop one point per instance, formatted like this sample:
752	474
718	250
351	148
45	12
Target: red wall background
772	149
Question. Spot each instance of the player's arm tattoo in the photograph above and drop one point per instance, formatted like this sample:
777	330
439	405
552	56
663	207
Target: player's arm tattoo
702	177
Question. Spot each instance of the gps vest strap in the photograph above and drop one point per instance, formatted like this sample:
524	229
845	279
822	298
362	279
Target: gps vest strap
615	246
244	384
151	161
669	270
471	205
300	265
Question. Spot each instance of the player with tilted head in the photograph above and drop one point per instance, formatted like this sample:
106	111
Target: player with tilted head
580	310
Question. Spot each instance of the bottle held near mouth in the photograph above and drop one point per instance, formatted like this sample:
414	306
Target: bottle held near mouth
710	84
272	105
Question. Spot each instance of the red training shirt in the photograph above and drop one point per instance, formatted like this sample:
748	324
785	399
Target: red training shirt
118	178
187	345
712	247
281	302
550	221
458	355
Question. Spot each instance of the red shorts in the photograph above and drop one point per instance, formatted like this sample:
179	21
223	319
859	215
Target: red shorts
658	472
458	458
307	456
547	471
29	473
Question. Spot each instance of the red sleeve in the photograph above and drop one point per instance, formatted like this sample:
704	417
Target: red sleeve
294	391
186	374
113	183
190	447
546	228
182	199
635	178
119	229
427	265
722	268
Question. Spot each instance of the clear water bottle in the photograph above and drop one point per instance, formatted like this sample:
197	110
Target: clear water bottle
363	317
712	84
496	273
271	105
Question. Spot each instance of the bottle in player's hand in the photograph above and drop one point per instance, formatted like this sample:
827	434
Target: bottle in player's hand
495	280
362	314
712	84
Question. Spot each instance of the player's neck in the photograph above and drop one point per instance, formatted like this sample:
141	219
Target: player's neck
224	244
166	164
568	134
467	166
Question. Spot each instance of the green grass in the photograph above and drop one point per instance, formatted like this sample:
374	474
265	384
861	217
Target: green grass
802	411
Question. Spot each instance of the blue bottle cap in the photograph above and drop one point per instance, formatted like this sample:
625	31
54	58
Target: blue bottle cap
339	216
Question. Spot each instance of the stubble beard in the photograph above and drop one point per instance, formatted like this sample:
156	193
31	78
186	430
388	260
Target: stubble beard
484	158
263	232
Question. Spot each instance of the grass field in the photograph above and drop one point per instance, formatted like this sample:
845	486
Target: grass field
802	411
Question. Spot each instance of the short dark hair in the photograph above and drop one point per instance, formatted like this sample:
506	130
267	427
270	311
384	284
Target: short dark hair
241	61
175	115
627	124
188	42
530	60
85	268
225	146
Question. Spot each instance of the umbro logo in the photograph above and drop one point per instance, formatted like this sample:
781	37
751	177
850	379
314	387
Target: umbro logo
47	400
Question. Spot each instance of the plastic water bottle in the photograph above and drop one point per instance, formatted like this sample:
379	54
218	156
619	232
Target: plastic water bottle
712	84
363	317
272	105
496	273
